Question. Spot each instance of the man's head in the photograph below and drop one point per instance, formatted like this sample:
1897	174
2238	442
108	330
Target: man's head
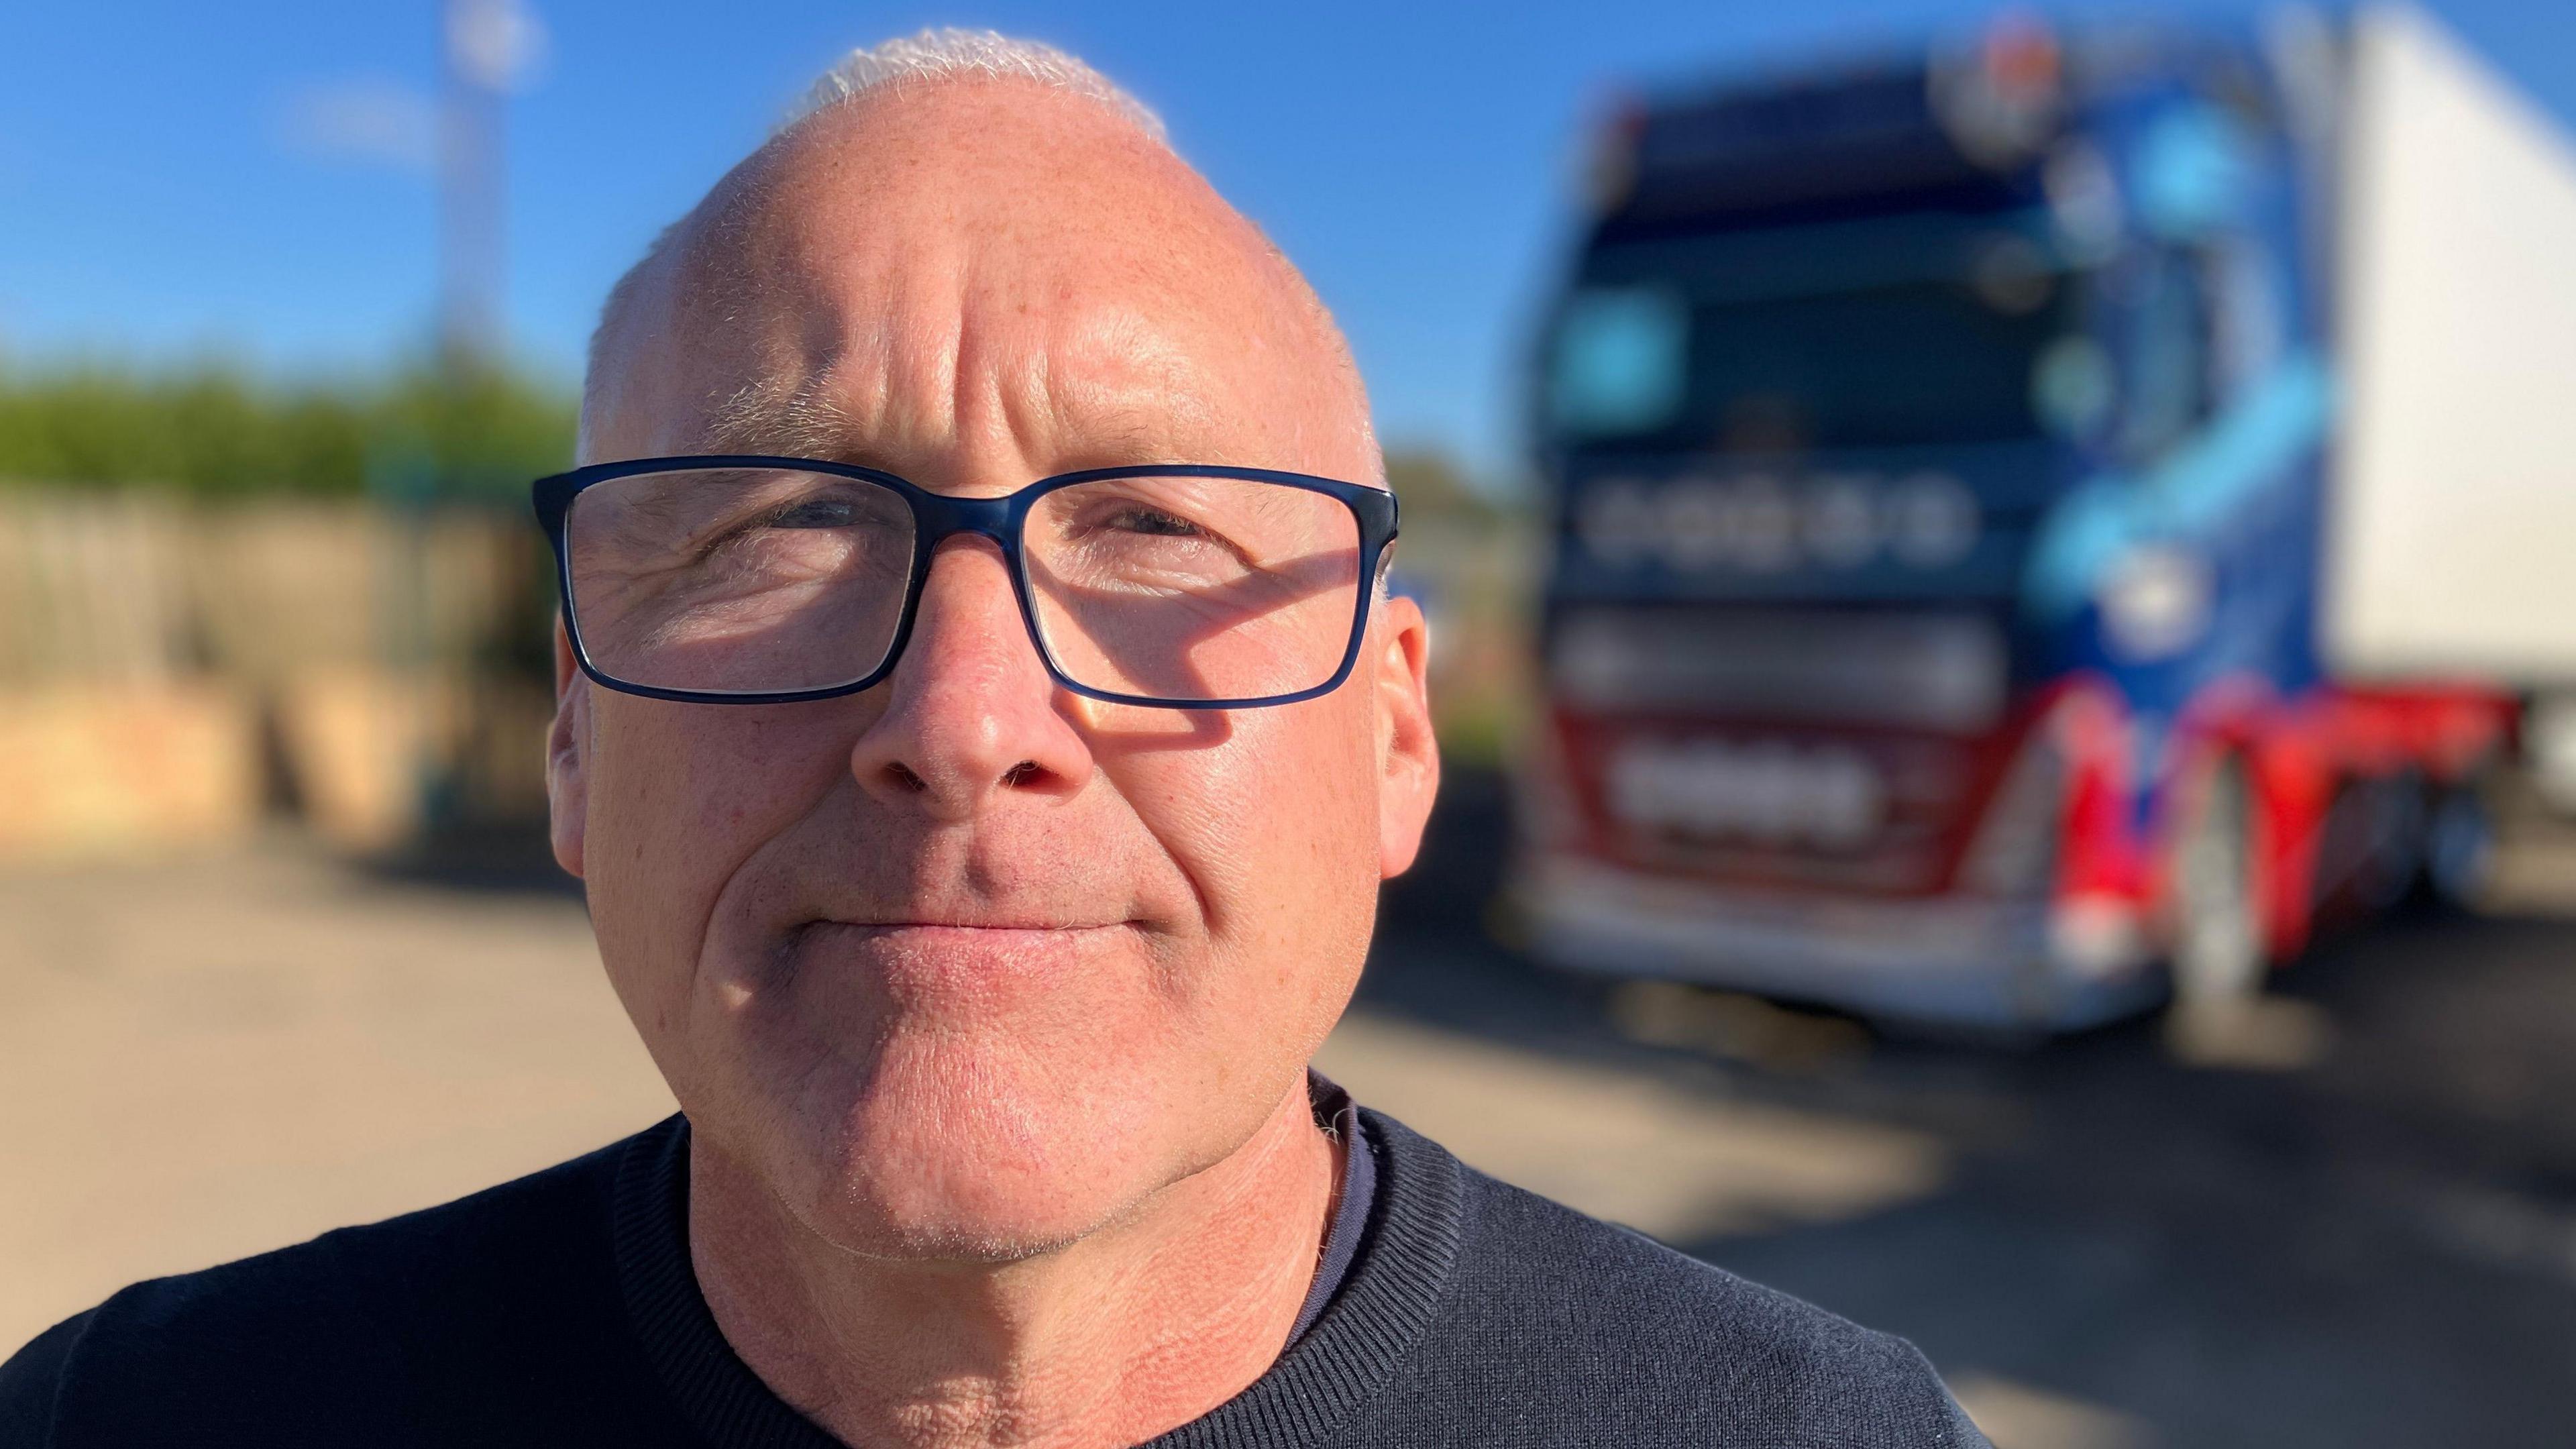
967	965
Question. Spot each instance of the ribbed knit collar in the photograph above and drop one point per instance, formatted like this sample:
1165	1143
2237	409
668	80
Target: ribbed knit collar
1384	1306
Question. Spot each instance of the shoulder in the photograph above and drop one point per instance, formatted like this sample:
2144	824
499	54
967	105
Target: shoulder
359	1326
31	1381
1606	1324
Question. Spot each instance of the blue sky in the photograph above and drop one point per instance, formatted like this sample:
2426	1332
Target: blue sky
173	180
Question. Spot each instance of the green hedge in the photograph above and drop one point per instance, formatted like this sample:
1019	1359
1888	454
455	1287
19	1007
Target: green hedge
216	430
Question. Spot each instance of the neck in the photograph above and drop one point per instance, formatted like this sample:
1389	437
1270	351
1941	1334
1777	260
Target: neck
1121	1335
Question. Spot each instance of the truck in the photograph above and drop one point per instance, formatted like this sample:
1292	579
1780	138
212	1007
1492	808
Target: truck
2040	523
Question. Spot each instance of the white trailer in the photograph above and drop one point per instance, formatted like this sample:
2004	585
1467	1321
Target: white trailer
2451	542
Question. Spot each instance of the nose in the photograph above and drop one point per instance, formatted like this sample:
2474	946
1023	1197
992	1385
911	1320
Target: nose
971	716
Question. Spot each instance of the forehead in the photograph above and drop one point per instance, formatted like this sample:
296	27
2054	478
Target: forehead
987	273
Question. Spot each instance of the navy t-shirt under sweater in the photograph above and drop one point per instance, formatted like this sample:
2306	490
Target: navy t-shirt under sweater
560	1309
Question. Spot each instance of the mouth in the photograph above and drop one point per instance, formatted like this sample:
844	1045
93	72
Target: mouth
1030	942
934	960
969	930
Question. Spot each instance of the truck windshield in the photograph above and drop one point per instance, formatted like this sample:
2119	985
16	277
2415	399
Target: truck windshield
1913	363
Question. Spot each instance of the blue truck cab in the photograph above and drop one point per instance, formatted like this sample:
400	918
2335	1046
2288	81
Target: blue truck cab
1937	449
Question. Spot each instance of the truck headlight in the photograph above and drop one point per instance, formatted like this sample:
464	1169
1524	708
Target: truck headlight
2155	602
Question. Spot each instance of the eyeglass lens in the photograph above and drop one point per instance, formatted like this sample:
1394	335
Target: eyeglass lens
764	580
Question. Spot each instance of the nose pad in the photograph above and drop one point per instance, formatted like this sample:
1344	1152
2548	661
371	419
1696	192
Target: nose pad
971	714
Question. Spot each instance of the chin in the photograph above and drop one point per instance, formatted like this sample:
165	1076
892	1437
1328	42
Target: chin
943	1152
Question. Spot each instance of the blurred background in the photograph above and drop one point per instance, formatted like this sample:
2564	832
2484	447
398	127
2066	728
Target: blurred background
2001	639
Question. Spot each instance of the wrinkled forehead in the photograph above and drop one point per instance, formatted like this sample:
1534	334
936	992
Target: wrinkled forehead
978	276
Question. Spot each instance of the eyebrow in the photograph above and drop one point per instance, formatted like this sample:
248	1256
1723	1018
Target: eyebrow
787	421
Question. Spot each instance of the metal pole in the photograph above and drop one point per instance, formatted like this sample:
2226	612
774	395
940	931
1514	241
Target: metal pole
482	44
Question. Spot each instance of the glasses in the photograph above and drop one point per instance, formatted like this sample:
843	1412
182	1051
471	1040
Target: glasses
742	579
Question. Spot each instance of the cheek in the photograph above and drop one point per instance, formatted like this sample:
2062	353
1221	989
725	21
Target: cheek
1276	827
679	796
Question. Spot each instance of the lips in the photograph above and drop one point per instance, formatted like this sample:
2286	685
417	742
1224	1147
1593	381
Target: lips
935	956
974	926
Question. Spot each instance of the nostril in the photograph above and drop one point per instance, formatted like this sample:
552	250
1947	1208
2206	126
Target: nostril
1022	773
902	775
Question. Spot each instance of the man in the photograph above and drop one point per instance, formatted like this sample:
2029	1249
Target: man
982	875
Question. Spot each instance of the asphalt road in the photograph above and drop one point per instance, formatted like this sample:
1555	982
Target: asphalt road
2100	1247
203	1058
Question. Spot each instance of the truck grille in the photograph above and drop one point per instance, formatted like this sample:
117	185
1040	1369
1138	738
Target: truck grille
1873	810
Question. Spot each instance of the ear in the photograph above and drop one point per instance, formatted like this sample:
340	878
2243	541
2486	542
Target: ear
1408	754
567	784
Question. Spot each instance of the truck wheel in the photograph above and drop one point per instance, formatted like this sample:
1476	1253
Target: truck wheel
2218	953
2459	845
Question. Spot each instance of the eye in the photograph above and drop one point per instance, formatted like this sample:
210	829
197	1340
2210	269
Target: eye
1154	521
814	513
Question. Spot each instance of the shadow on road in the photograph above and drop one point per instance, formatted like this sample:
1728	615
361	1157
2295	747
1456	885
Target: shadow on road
512	859
2378	1250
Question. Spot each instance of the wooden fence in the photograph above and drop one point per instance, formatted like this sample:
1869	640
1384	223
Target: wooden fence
176	672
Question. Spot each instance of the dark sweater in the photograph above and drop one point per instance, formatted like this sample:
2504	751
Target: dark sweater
560	1309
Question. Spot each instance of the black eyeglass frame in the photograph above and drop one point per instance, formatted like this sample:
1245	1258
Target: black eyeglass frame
938	517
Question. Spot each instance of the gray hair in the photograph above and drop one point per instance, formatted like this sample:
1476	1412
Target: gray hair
947	52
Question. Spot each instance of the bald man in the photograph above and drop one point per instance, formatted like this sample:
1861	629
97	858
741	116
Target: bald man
982	732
